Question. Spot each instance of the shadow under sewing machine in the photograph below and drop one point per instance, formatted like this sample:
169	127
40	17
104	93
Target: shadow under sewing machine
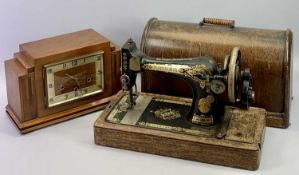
216	126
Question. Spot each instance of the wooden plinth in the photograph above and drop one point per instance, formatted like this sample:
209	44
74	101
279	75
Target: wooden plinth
42	122
240	147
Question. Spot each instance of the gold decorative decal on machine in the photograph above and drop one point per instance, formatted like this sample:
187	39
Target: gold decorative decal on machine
204	104
177	69
202	120
202	83
196	70
170	68
206	133
167	114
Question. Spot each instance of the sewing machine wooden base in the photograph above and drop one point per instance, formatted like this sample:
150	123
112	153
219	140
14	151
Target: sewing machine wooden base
236	142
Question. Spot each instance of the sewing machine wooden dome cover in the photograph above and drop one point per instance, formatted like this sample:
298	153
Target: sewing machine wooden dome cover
268	53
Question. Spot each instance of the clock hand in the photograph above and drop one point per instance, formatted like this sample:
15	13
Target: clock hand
74	78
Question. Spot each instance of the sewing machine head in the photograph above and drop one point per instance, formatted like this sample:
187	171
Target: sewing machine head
209	81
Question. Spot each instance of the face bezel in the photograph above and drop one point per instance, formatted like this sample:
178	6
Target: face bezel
73	96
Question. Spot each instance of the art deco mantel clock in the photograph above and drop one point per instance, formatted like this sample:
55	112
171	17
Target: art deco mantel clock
59	78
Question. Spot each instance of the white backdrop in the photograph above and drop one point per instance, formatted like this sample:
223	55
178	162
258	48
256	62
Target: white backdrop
68	148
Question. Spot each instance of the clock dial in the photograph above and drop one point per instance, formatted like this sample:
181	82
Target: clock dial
74	79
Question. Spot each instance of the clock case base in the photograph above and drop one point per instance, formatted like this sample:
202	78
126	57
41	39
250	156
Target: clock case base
32	125
241	147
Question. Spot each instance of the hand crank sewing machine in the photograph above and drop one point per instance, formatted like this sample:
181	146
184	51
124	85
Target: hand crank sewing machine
207	79
216	126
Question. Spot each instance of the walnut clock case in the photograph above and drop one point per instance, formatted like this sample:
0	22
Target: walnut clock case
59	78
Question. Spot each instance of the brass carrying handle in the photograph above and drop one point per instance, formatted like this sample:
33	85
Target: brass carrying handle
218	21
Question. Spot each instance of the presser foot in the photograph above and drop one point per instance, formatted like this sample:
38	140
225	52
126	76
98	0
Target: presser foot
130	101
